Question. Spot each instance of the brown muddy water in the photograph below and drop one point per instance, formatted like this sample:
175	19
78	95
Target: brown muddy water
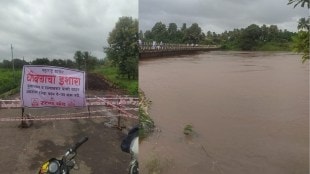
249	112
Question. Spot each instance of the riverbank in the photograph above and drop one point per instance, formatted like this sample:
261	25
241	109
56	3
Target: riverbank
146	123
110	75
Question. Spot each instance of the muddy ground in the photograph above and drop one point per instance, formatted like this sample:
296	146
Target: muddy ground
23	150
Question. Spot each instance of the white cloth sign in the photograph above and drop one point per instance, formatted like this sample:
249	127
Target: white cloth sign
49	86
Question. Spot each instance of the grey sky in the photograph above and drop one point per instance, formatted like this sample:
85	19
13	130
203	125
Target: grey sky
220	15
58	28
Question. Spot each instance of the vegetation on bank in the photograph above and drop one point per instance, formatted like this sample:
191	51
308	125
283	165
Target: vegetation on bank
146	123
111	74
253	37
301	40
9	80
188	129
267	46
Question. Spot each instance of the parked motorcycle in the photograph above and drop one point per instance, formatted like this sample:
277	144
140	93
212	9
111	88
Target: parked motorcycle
130	144
63	166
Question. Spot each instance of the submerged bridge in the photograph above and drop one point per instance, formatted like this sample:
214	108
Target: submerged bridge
147	50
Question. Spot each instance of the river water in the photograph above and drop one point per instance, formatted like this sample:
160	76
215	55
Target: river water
249	112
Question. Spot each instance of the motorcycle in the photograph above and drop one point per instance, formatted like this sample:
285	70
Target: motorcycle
130	144
63	166
134	165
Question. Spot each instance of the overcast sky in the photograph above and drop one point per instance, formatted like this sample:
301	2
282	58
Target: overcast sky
58	28
220	15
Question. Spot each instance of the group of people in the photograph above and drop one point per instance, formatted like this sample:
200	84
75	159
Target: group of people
154	45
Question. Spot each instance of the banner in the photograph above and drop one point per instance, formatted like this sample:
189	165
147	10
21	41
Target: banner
49	86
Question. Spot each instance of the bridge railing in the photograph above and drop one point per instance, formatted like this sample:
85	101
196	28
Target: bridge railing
149	46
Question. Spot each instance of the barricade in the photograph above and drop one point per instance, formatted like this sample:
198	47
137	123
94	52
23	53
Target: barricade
125	106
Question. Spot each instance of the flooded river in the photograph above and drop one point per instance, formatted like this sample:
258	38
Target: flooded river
249	112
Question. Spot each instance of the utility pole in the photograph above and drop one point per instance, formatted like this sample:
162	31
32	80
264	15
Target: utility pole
13	63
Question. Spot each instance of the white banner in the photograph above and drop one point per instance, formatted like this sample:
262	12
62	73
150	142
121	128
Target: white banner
49	86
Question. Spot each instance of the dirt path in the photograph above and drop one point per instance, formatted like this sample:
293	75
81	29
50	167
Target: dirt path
24	150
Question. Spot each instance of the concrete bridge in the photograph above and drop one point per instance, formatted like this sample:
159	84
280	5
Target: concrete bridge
147	50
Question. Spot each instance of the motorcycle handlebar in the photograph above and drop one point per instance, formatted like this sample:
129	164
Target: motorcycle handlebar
79	143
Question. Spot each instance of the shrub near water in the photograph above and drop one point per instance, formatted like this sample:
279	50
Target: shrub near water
188	129
7	81
146	123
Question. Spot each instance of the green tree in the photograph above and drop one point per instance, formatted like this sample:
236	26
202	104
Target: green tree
159	32
55	62
90	61
70	63
79	60
123	51
183	28
6	64
303	23
273	33
83	60
250	37
301	41
301	2
173	32
141	35
41	61
193	34
301	44
148	36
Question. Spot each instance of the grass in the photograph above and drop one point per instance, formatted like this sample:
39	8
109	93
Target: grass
9	81
110	73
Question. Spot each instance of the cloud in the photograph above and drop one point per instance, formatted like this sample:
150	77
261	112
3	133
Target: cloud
57	28
220	15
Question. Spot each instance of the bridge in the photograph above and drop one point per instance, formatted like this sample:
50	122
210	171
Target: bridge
147	50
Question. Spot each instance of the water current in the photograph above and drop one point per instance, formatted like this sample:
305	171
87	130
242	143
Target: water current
249	112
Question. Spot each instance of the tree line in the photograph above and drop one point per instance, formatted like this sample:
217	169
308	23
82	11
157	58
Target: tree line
81	61
122	53
173	34
250	38
255	37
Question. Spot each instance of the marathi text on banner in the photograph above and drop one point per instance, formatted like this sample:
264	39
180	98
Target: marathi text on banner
47	86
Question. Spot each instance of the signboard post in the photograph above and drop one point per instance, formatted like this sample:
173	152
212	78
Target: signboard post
49	86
